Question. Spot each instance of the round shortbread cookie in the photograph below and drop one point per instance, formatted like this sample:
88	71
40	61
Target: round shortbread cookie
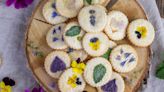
89	2
117	23
116	84
69	8
95	44
77	54
56	62
141	32
71	82
97	72
73	35
55	37
50	13
124	58
93	18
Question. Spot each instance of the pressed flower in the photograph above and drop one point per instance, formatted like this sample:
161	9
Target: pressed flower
74	81
95	45
141	32
4	88
78	67
19	3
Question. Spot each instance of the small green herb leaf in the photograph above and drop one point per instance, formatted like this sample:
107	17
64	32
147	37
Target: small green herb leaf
160	71
89	1
107	54
73	31
160	74
98	73
79	38
39	54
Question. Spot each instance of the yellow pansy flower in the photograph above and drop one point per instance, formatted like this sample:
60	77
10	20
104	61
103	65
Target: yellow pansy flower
143	31
4	88
78	67
95	45
72	81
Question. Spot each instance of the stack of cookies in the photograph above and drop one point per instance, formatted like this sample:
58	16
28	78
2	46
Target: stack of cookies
84	38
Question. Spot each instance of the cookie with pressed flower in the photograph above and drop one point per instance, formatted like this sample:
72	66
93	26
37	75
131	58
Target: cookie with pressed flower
95	44
117	23
141	32
90	2
97	72
56	62
93	18
55	37
115	84
71	82
69	8
51	14
124	58
77	54
73	35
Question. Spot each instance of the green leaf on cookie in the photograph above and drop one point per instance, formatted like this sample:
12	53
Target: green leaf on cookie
73	31
107	54
98	73
160	70
89	1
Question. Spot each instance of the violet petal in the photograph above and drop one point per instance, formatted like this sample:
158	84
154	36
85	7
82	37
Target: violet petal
28	1
35	90
126	55
110	86
123	63
27	90
55	39
132	59
57	65
10	2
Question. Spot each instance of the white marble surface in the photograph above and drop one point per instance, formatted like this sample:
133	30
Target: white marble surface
13	26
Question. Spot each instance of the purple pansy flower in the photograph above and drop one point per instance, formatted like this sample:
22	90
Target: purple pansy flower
35	89
19	3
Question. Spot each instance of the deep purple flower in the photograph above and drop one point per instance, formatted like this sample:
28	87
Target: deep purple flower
35	89
19	3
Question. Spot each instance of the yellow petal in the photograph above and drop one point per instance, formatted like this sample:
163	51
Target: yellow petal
82	65
72	81
143	31
74	77
69	81
91	44
2	84
74	64
78	71
8	88
73	85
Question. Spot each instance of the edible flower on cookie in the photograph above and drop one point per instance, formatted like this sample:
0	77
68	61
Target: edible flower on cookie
78	66
94	43
74	81
141	32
